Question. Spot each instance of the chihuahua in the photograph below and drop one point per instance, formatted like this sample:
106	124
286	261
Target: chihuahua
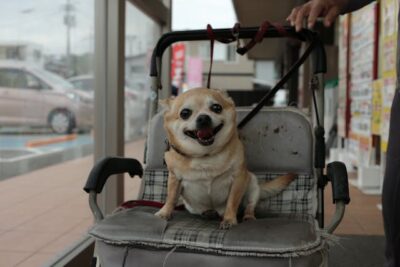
206	159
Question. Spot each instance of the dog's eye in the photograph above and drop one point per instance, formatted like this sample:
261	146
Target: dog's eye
185	113
217	108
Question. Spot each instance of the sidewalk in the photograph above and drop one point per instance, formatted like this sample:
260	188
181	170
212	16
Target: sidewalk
45	211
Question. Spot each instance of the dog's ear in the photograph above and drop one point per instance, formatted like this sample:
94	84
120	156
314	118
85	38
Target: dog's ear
222	92
225	95
166	103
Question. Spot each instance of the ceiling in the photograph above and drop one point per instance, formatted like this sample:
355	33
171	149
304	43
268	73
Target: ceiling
254	12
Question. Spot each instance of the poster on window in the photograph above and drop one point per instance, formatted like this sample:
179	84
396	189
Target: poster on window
177	64
377	87
388	14
363	71
363	67
353	148
194	72
343	101
389	88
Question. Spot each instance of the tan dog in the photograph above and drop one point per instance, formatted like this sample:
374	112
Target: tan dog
206	161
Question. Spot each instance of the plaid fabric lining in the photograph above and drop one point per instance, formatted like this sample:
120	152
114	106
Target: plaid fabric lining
155	185
297	198
194	232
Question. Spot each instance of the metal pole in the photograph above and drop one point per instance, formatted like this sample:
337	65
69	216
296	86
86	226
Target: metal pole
109	92
318	117
69	22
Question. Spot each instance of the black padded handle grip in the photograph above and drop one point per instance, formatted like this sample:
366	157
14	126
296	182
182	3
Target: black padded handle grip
109	166
337	174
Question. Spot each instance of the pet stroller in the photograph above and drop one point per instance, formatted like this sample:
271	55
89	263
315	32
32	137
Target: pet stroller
289	230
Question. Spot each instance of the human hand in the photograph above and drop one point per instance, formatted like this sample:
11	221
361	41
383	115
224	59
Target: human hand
329	9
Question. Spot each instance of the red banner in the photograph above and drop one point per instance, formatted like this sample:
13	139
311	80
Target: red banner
177	64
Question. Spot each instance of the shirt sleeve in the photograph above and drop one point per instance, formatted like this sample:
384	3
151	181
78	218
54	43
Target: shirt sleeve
353	5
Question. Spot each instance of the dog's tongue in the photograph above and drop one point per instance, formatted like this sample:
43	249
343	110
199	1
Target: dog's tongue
205	133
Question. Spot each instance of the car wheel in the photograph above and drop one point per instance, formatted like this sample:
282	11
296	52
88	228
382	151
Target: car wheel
62	121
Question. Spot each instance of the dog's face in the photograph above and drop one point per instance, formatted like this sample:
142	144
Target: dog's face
200	121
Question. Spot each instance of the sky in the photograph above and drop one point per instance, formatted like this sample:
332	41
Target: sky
41	22
196	14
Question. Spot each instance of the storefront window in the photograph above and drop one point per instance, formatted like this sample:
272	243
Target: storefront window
141	35
46	121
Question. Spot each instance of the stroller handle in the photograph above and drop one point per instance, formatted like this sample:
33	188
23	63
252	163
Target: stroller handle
109	166
304	35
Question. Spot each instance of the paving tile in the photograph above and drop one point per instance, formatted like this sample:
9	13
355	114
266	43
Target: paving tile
350	229
25	241
61	243
83	227
36	260
21	213
12	258
73	210
371	225
49	222
16	196
11	219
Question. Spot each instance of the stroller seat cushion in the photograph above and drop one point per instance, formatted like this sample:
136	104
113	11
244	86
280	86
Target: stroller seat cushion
277	235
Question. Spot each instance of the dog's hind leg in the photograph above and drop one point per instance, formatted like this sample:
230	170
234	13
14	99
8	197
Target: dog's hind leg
253	195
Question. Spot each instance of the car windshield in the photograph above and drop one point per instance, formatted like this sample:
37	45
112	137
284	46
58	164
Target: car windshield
54	79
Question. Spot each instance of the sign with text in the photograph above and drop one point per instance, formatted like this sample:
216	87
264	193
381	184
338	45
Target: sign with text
194	72
177	64
389	89
376	118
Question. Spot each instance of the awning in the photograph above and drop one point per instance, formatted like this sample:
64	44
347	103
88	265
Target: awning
254	12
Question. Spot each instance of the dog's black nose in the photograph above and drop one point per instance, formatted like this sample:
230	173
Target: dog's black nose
203	121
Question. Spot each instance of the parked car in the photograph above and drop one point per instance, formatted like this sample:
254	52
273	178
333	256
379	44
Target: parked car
32	96
135	104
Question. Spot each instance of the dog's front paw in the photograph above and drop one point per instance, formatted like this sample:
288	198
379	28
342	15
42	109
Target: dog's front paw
227	223
163	214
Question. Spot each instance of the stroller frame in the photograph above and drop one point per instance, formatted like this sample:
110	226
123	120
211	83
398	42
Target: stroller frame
336	171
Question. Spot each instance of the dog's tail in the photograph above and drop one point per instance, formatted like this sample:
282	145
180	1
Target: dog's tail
274	187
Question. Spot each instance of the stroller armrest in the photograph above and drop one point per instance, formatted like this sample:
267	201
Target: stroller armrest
100	173
337	174
109	166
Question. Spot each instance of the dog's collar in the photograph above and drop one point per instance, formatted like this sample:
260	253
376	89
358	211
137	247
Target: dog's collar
169	146
178	151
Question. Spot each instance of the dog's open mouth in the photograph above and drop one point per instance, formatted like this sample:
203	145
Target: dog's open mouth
204	136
